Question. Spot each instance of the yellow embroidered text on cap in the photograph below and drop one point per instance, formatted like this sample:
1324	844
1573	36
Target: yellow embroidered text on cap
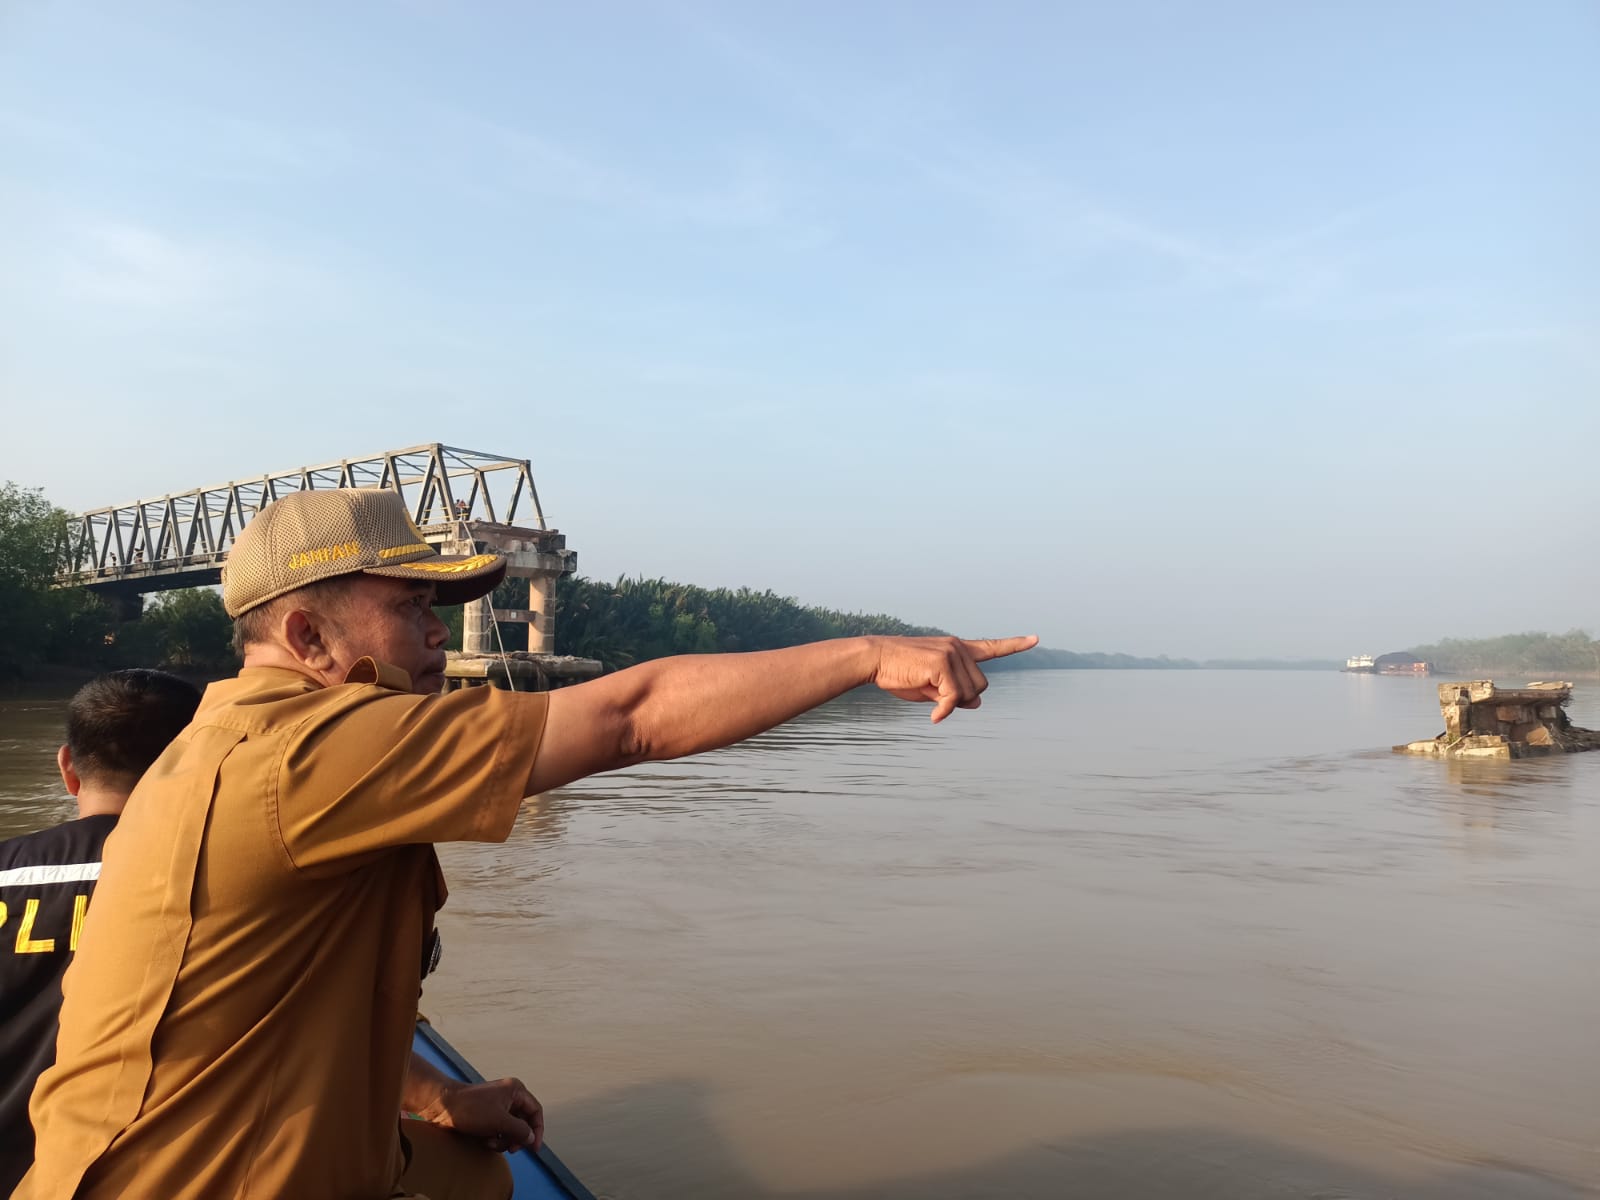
322	554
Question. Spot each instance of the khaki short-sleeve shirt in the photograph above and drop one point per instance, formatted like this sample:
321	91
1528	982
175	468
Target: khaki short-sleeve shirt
238	1020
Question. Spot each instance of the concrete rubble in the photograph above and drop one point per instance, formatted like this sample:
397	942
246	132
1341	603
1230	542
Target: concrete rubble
518	670
1483	721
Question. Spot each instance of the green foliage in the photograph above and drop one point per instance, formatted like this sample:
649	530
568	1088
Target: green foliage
633	620
512	593
1515	654
83	631
187	630
32	534
454	618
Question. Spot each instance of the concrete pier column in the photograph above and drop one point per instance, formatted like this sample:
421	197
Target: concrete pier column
542	611
539	556
128	604
477	627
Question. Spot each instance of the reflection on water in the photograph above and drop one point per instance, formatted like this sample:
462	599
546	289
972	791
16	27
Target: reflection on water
31	795
1115	935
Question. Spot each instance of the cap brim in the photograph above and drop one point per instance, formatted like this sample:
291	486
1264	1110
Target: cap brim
457	578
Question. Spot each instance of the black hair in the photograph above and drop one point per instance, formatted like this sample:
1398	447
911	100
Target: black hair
118	724
259	624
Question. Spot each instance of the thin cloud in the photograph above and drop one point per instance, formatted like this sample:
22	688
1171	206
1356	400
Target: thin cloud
127	265
750	197
1051	215
241	147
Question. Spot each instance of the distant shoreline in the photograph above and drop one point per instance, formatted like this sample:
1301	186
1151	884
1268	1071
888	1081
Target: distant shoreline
1443	674
1503	673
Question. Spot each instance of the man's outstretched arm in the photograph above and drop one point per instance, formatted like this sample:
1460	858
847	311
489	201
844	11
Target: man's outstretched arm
684	705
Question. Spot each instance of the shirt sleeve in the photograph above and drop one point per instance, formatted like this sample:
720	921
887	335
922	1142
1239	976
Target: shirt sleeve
386	768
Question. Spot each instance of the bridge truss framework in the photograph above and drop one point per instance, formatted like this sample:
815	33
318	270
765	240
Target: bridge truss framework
181	540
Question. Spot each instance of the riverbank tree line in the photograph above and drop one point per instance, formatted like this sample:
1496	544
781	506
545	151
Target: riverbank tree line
1528	654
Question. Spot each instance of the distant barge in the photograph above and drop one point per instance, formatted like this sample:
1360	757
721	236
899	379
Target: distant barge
1386	664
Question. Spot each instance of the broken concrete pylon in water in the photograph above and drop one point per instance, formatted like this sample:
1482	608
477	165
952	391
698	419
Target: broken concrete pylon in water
1483	721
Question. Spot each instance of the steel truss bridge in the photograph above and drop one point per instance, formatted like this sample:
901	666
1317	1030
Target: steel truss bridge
181	540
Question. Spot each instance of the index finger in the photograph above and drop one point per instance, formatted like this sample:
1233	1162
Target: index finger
523	1101
984	649
536	1123
527	1106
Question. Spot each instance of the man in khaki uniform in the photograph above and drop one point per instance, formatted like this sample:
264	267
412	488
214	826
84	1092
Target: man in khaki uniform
238	1020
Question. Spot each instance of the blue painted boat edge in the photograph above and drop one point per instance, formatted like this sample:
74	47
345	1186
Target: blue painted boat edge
547	1157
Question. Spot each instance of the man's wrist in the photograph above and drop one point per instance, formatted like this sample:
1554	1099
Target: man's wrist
437	1109
868	656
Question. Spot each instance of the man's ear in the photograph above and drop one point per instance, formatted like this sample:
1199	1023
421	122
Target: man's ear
69	776
303	633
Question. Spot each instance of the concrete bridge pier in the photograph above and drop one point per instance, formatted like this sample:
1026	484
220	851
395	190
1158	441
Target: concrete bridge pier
538	555
477	628
542	613
127	602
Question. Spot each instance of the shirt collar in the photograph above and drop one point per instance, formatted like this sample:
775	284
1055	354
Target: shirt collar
370	670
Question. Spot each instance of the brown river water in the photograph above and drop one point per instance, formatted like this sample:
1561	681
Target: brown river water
1118	934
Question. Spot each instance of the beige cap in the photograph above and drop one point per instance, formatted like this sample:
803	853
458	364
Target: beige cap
314	535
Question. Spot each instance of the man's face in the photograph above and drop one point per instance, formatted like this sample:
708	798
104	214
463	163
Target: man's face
391	620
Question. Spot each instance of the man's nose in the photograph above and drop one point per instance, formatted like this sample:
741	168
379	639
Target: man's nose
438	631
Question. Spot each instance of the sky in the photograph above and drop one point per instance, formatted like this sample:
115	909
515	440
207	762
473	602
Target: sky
1202	329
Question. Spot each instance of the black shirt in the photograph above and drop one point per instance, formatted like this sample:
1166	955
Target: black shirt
46	879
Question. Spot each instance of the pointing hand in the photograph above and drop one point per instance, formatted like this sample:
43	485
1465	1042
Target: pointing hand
941	671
